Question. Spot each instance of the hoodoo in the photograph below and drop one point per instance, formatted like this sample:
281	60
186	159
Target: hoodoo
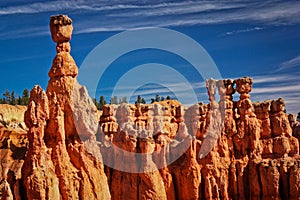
225	149
59	164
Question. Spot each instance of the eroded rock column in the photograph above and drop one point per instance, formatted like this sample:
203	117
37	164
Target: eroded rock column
247	142
225	143
38	171
284	143
151	184
67	127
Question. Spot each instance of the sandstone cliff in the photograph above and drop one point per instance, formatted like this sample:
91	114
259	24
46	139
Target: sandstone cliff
225	149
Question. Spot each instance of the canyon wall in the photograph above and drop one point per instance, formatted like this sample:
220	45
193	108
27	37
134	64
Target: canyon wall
225	149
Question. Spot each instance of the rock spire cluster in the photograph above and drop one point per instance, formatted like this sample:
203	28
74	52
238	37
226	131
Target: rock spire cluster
249	149
225	149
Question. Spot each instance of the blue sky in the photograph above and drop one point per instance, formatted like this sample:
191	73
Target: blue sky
260	39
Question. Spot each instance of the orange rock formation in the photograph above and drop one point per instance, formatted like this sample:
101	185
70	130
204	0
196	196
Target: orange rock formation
251	155
219	150
58	163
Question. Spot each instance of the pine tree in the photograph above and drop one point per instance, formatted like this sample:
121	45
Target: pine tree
152	100
102	102
157	98
13	99
19	101
138	99
25	97
143	101
6	97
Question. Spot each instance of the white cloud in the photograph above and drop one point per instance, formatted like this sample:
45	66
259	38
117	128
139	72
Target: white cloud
193	13
36	8
123	15
100	29
151	9
276	89
276	79
186	7
21	33
294	62
40	7
242	31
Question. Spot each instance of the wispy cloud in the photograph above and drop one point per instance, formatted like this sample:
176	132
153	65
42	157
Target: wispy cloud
242	31
280	84
36	8
98	16
276	89
26	32
294	62
179	8
201	13
49	6
274	79
23	58
146	9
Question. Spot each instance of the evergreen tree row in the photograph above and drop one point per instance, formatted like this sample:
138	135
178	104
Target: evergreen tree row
13	99
140	100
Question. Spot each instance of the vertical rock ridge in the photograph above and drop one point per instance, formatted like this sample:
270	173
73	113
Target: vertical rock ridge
38	170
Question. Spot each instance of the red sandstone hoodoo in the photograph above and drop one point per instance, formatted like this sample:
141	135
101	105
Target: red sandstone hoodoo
247	150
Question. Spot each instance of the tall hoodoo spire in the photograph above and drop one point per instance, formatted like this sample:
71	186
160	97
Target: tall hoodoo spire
64	138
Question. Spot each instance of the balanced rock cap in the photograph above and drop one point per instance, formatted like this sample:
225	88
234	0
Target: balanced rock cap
61	28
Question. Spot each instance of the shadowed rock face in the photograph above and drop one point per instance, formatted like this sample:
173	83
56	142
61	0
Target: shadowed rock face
221	150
